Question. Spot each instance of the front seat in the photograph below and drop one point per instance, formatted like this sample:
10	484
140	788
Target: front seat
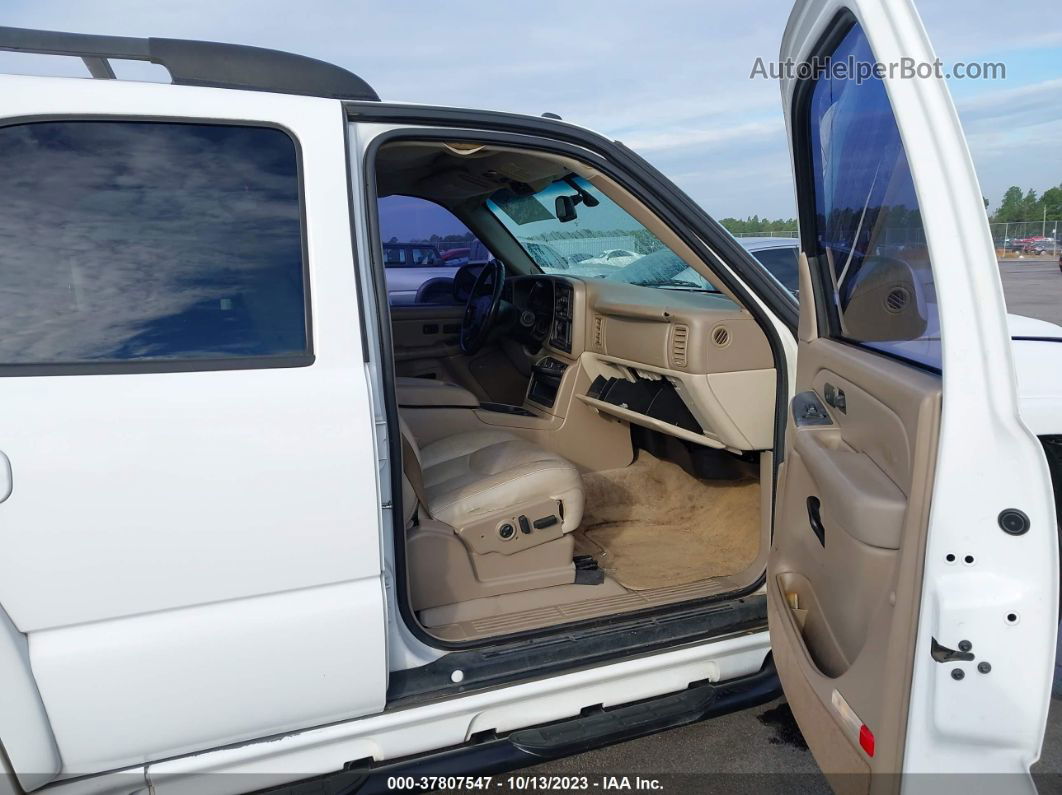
487	513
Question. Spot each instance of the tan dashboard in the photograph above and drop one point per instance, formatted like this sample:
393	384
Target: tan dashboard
691	364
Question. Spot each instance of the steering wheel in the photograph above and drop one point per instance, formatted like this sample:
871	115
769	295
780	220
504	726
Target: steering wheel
482	307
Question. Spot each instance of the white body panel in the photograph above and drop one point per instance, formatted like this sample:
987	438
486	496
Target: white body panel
205	538
1037	347
440	724
988	460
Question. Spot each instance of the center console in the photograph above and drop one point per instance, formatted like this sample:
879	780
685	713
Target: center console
546	377
560	337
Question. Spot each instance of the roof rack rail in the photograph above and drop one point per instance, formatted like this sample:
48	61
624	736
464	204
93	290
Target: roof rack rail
198	63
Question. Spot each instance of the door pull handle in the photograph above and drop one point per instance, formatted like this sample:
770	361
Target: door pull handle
815	520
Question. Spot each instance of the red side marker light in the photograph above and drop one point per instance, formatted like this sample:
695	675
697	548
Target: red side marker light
866	740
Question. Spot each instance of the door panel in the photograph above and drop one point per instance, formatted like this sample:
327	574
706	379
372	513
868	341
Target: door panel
425	340
200	530
894	576
843	606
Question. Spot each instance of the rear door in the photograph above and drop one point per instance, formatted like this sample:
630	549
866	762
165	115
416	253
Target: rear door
913	573
189	554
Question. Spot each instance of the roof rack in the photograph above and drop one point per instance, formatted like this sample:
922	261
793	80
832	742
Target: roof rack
198	63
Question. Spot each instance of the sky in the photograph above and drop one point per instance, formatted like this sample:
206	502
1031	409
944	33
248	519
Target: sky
670	78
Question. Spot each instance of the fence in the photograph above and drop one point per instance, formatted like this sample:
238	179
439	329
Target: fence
576	247
783	233
1014	239
1027	238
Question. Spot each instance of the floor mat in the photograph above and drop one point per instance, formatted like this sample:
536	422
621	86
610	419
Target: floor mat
651	525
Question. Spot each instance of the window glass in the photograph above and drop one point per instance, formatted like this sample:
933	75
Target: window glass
424	244
781	263
135	241
602	241
868	225
424	256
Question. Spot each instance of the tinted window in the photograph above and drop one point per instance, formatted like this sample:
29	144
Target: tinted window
868	230
782	264
394	256
125	241
419	235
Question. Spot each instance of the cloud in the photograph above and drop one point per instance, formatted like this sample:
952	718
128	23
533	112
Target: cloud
670	78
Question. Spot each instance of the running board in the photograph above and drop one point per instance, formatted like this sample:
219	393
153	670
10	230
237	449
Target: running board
605	727
526	747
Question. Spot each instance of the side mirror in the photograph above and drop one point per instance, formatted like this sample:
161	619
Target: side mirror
565	209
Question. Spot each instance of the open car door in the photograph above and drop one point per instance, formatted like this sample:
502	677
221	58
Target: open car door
913	573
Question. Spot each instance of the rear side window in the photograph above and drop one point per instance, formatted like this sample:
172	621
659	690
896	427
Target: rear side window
868	233
782	265
140	242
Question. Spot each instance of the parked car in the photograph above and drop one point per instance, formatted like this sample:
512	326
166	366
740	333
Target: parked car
546	257
256	521
1040	245
612	258
417	273
456	256
411	255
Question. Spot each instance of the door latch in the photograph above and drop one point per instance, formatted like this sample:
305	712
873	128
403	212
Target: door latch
942	654
807	410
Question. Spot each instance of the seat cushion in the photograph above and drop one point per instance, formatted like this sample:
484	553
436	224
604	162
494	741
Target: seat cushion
471	475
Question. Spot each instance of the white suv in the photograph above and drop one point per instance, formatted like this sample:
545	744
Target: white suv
254	520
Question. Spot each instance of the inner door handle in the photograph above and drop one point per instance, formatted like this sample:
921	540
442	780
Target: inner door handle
815	519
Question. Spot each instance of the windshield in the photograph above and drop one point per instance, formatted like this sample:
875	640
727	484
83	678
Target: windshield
596	239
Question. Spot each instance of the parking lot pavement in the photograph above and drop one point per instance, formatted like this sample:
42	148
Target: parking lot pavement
1033	287
745	751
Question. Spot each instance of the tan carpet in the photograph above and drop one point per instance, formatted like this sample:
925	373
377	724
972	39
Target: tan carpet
651	525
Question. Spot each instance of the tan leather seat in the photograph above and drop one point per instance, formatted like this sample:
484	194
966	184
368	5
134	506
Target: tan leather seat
496	515
478	474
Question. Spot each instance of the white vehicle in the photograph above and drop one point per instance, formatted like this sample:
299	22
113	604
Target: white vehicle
254	520
612	258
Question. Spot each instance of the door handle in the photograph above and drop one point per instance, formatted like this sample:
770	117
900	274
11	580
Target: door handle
6	483
815	519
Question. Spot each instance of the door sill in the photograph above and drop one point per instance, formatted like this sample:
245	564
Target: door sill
574	648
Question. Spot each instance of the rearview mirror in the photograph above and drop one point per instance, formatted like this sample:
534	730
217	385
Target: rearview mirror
566	209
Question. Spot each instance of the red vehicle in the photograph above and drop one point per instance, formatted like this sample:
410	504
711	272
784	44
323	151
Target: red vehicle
1038	245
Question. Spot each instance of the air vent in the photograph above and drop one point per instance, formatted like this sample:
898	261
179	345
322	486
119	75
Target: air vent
680	337
721	336
896	300
599	332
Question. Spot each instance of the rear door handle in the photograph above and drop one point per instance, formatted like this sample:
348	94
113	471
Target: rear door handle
815	519
6	482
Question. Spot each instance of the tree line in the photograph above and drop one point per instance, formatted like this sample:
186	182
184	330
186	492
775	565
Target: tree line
756	224
1018	205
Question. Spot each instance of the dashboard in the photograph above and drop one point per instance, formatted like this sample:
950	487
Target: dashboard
690	364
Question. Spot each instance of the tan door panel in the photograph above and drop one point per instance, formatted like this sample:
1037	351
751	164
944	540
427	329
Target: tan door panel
845	565
856	496
425	340
425	331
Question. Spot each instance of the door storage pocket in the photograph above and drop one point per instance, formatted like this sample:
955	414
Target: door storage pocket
810	624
